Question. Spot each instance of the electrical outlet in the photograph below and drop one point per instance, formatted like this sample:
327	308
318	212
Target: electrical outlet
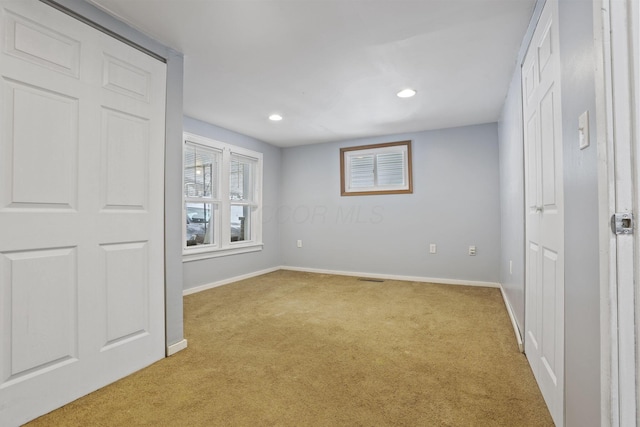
432	248
472	251
299	243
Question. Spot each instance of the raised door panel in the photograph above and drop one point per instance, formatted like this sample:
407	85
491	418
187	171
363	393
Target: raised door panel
41	45
533	161
549	313
545	51
39	148
549	148
126	285
529	81
532	295
125	161
39	291
126	79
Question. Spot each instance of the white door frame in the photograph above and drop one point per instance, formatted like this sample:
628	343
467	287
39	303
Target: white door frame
615	29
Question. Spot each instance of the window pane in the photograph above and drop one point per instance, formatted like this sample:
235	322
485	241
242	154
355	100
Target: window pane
200	224
200	172
240	223
390	168
240	179
362	171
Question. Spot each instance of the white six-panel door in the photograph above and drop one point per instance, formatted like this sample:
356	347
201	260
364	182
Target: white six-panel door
81	210
544	288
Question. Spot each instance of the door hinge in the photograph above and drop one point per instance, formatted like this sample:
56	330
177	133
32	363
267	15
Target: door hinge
622	223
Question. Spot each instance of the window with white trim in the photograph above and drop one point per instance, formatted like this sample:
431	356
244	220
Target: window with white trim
376	169
222	198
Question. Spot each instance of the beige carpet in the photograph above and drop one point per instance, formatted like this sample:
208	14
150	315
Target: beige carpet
300	349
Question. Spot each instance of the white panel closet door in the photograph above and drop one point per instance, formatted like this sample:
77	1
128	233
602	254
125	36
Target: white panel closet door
544	296
81	210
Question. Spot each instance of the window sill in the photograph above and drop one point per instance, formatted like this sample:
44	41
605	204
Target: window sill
216	253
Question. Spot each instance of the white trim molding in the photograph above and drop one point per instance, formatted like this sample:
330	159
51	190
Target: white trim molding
222	282
616	27
441	281
174	348
240	249
606	196
514	324
394	277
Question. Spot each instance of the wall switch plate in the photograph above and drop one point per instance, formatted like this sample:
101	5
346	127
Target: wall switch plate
432	248
472	251
583	130
299	243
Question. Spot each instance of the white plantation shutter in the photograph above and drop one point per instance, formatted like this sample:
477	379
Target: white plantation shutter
376	168
390	169
362	171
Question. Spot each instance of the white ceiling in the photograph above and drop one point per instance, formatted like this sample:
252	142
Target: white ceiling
332	68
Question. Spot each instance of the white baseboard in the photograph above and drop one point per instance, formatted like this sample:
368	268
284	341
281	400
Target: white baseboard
394	277
174	348
512	316
227	281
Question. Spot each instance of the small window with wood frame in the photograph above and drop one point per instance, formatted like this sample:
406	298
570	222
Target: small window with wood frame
376	169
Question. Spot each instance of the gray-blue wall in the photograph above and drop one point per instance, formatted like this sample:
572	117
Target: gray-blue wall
204	272
582	288
455	204
512	201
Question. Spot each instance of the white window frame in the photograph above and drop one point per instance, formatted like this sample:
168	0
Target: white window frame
347	154
222	244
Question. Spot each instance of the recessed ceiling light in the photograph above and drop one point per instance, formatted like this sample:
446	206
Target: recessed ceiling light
406	93
275	117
